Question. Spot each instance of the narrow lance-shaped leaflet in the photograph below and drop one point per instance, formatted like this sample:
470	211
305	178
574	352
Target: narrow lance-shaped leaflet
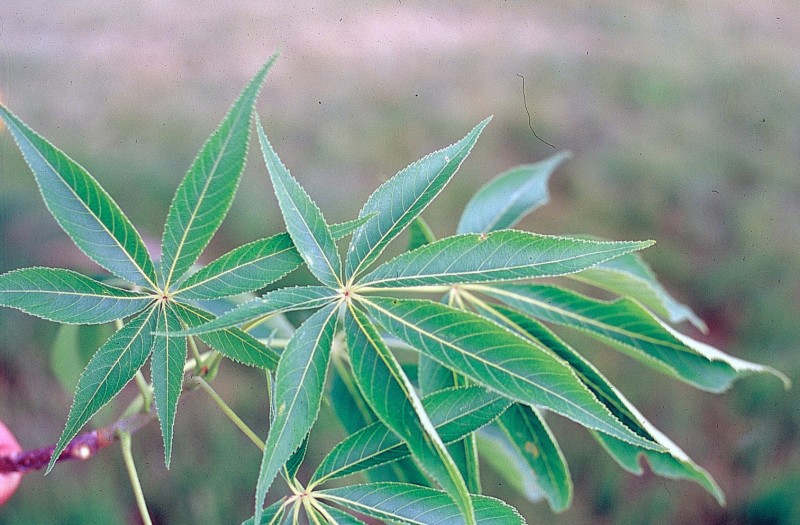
205	194
394	400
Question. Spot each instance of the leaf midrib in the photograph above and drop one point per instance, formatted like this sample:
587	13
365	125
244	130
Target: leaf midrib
487	272
199	202
493	366
358	269
84	204
589	321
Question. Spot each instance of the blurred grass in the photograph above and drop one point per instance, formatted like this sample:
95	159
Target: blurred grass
683	121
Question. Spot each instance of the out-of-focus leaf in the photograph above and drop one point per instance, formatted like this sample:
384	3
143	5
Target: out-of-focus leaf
630	276
506	199
528	433
419	234
402	198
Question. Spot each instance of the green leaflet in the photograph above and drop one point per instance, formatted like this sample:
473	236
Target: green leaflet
528	433
244	269
675	462
629	327
272	515
166	365
110	369
65	296
299	381
499	256
274	302
231	342
342	518
415	505
311	234
402	198
205	194
497	359
629	275
252	266
354	413
82	207
496	451
506	199
419	234
454	412
393	398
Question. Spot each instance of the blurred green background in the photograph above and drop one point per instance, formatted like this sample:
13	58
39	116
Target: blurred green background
684	122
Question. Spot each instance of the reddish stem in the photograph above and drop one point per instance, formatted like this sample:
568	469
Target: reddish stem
83	447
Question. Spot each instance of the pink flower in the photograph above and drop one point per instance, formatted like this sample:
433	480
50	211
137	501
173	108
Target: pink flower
9	481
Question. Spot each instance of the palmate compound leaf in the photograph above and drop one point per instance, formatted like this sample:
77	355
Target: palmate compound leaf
393	398
65	296
505	200
299	382
205	194
304	221
670	462
455	412
498	359
502	255
415	505
402	198
82	207
166	365
631	328
109	370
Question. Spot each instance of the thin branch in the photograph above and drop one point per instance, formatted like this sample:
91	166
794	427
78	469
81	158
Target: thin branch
83	447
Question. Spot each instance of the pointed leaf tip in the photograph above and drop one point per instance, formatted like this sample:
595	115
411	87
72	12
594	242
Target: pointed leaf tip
204	196
402	198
